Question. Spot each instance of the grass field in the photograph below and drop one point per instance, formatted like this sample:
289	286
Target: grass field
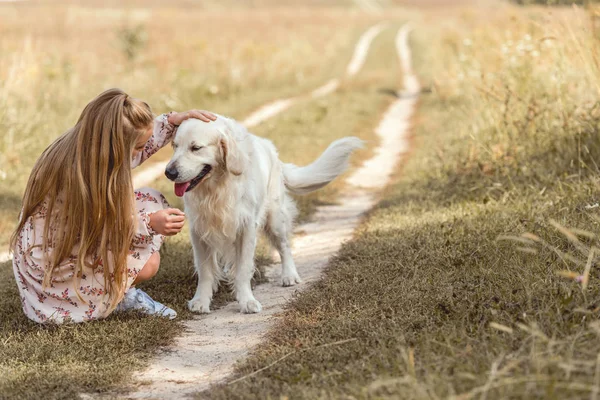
63	361
460	284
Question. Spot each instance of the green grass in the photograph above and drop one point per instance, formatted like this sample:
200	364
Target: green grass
59	362
428	301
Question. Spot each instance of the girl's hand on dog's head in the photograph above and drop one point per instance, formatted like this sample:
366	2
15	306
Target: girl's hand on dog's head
167	222
176	118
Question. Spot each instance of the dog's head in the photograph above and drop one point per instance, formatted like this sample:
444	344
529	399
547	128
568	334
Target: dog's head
203	151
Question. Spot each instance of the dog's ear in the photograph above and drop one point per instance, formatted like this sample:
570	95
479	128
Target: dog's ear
233	159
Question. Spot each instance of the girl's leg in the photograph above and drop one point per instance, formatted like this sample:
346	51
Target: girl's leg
149	270
136	299
148	201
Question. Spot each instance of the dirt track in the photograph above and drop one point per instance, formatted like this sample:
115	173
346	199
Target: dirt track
213	343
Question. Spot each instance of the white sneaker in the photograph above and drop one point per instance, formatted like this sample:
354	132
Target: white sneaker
136	299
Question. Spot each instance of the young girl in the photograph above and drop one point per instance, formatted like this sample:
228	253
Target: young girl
85	238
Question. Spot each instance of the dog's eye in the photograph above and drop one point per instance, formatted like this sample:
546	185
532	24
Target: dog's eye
196	148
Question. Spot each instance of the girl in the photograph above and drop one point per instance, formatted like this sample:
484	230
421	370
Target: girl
85	238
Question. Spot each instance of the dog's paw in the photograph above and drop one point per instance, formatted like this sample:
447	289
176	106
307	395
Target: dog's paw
250	307
290	279
199	306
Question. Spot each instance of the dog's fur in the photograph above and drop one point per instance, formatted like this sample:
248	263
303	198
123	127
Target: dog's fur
245	190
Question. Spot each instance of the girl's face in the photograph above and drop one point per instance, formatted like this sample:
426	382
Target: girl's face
141	142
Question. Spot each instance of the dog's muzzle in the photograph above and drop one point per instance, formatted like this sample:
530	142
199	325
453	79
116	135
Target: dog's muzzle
171	172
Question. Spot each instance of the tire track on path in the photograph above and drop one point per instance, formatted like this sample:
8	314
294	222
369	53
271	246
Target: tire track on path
213	343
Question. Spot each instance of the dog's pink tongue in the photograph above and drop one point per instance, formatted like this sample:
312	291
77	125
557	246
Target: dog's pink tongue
180	188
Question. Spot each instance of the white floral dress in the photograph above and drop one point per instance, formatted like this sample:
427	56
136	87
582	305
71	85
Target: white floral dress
69	299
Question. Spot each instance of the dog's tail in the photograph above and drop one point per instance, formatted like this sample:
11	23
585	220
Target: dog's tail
333	161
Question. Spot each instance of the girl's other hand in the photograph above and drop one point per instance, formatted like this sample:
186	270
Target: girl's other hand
176	118
167	222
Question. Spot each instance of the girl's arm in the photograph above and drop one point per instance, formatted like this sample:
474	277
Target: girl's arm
167	222
144	232
165	126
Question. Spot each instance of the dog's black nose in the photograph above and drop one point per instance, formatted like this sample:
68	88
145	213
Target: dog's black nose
171	172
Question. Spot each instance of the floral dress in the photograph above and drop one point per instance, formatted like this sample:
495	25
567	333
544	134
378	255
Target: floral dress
68	299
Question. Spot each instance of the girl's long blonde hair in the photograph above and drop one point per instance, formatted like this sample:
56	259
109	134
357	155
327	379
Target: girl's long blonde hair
84	178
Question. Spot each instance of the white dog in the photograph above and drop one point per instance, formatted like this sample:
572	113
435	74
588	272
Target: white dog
234	186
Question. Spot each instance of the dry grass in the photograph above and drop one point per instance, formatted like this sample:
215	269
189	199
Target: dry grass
438	304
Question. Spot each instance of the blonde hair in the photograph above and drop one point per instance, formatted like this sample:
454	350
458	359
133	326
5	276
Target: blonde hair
84	177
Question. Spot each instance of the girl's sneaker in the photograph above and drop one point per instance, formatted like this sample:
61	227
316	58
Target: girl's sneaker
136	299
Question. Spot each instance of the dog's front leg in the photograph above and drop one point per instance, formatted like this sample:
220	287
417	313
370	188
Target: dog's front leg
206	266
244	264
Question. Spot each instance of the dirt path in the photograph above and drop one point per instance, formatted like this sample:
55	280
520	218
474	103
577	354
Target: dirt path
212	344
